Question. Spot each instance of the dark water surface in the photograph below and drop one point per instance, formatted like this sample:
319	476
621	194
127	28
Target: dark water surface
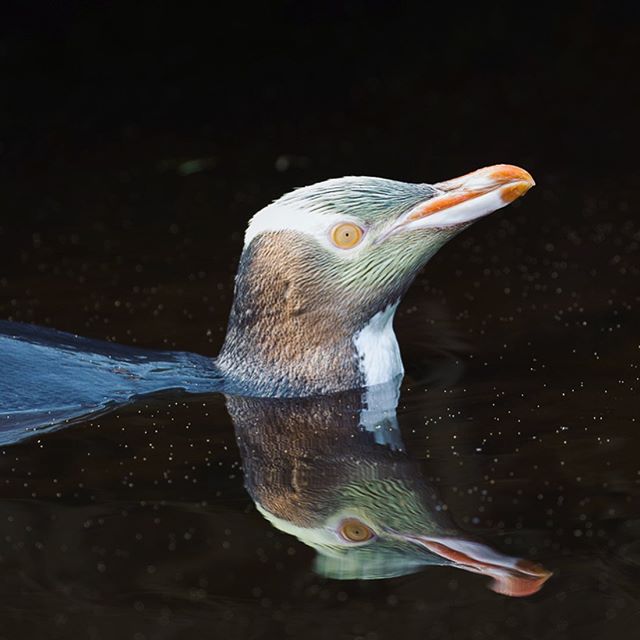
125	196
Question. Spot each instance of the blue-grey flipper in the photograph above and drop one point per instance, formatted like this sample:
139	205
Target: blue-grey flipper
49	378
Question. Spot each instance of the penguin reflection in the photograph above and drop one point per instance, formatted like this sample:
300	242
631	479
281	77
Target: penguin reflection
332	472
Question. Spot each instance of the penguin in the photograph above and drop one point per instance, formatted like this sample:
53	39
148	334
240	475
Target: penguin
324	268
321	274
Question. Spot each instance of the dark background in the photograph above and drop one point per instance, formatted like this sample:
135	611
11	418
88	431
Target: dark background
104	104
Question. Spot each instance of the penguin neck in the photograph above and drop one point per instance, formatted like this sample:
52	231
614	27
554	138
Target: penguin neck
288	336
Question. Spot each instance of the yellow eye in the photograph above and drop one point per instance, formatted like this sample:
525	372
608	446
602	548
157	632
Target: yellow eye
346	235
355	531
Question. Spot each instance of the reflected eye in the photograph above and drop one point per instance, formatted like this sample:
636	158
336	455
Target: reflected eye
346	235
355	531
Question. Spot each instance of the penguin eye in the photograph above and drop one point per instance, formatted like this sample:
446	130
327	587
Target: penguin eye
346	235
355	531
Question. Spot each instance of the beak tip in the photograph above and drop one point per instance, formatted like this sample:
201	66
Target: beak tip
515	190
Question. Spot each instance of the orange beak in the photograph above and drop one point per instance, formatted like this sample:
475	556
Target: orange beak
464	199
510	576
509	181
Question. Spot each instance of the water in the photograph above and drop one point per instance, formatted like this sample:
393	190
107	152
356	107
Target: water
517	414
517	421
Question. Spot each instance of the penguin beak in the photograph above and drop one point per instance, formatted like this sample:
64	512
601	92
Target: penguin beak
509	576
467	198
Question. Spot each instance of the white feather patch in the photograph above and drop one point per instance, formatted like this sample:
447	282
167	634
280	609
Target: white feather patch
378	349
378	416
313	536
282	217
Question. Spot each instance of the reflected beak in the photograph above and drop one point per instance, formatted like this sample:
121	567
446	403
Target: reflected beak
510	576
467	198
